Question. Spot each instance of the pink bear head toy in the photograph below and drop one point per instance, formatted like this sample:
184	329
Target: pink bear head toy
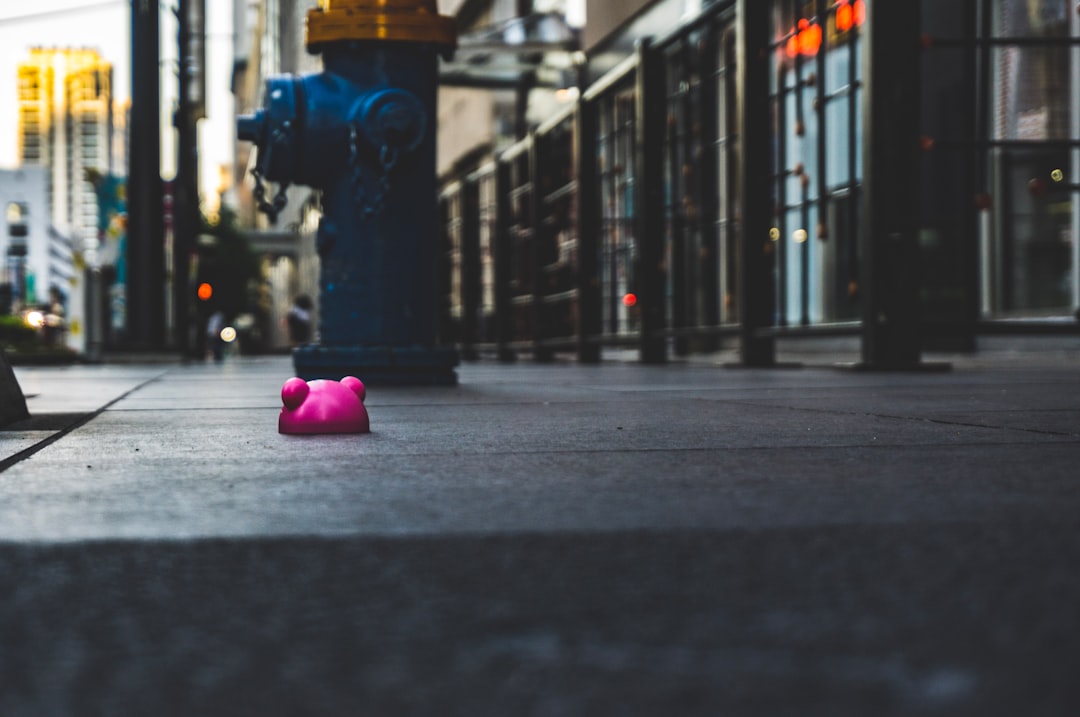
323	406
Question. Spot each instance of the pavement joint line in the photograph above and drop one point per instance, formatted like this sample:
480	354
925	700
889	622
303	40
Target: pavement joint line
46	442
869	446
942	421
965	424
925	419
199	409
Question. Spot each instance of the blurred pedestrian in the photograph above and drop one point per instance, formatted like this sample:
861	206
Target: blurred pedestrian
55	323
213	335
298	319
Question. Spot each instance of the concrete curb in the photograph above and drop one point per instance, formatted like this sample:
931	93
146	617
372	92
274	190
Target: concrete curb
12	401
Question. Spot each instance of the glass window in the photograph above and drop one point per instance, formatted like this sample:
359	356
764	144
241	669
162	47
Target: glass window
817	96
615	170
1032	84
17	212
1031	263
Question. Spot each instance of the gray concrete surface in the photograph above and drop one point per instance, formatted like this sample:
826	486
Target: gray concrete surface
548	540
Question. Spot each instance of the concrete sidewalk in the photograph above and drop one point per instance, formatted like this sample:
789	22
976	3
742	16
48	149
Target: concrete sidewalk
558	539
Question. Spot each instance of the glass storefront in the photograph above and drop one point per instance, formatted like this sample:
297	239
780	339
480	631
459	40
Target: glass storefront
586	203
817	95
1033	65
1001	99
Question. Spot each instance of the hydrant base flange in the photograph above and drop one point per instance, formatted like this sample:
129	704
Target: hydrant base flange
378	365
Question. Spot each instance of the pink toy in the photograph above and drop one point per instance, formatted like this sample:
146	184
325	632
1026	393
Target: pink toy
323	406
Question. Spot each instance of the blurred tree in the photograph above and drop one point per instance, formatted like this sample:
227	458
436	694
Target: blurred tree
226	263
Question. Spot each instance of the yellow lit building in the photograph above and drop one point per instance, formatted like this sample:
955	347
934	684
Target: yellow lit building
65	124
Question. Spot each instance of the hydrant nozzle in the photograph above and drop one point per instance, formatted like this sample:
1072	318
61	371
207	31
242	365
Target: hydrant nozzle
393	20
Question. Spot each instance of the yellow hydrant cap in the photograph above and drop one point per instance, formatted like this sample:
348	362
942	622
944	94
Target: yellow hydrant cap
400	20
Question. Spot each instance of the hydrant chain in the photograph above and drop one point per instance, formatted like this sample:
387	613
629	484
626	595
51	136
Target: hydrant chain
280	137
271	210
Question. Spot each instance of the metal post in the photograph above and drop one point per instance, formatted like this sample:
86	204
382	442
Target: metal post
538	309
145	244
709	189
185	188
95	314
649	196
504	320
677	187
891	189
470	265
974	180
588	233
1074	128
755	161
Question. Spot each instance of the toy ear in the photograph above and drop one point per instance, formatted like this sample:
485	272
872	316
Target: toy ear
294	392
355	385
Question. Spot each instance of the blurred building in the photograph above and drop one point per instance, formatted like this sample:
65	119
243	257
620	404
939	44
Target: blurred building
67	126
269	40
516	65
34	255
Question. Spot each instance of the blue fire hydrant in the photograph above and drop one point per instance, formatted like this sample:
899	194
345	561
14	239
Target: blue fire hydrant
363	132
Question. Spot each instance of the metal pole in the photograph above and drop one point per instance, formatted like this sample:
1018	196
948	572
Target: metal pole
891	173
186	188
470	265
649	209
709	187
504	321
1074	121
755	175
146	246
588	232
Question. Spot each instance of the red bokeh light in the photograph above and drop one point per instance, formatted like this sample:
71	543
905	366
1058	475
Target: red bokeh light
850	14
806	40
805	37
